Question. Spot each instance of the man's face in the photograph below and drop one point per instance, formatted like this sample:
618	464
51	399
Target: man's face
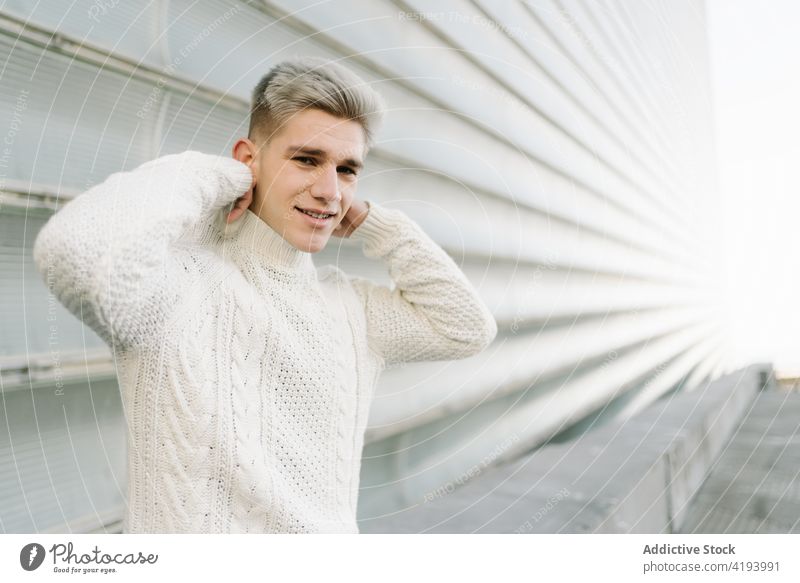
311	164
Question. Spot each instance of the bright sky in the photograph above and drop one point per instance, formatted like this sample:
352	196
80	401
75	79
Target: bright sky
755	60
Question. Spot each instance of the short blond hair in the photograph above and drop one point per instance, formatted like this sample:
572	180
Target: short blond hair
304	83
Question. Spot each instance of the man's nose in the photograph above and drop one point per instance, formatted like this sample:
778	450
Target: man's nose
326	185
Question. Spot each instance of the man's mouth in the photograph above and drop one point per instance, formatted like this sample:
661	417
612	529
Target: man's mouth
316	215
316	219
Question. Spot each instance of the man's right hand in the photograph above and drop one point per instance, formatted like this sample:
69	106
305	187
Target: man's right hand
243	202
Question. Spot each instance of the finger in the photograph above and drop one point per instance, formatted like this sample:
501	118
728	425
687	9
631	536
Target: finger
232	216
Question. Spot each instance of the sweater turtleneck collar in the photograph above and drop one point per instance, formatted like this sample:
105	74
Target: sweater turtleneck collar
256	237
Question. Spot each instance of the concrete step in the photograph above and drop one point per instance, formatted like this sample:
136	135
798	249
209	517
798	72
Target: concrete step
754	485
634	476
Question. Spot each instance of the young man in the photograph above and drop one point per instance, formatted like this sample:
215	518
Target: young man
246	373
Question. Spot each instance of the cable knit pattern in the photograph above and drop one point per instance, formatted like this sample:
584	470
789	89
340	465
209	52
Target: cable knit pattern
246	373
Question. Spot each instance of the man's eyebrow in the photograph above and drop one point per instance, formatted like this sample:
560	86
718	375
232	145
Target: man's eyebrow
292	150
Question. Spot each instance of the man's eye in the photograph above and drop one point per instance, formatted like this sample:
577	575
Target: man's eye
347	170
305	159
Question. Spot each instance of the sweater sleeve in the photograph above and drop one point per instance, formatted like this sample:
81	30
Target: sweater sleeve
108	255
433	312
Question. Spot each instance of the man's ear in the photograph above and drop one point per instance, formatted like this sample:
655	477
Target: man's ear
246	152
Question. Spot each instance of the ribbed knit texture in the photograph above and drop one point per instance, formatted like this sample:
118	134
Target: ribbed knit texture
246	373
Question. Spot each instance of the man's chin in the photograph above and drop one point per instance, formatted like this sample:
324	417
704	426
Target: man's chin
312	245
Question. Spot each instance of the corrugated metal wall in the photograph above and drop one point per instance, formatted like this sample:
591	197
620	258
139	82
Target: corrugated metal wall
561	151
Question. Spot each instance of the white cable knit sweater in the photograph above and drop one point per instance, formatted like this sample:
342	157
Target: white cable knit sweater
246	373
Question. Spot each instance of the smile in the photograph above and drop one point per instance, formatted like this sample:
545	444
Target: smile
314	218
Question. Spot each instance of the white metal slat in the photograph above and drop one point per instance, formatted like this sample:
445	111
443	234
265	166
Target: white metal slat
54	475
33	322
526	29
444	389
505	61
127	27
60	144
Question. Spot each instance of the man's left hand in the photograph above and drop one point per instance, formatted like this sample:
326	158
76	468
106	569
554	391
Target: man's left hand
352	219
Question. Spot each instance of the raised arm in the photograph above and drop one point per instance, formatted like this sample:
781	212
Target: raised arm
433	313
108	254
